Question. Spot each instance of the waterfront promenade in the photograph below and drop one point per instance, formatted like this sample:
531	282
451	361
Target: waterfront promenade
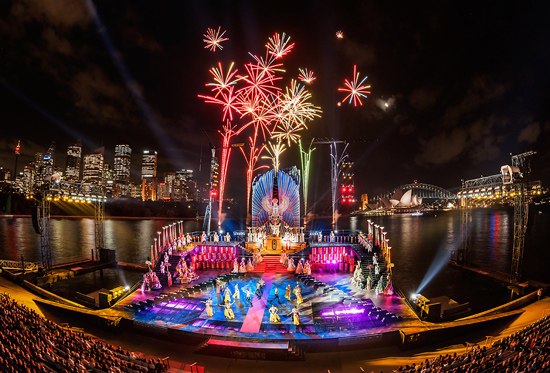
382	359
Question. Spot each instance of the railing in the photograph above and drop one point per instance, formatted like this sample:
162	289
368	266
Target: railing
27	266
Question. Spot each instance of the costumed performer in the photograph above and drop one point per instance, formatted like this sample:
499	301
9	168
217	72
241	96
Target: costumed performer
249	266
296	316
228	312
291	266
299	268
242	266
307	268
273	315
288	292
380	287
209	310
298	294
227	295
388	290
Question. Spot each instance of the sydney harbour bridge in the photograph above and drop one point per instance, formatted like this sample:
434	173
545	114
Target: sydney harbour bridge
421	190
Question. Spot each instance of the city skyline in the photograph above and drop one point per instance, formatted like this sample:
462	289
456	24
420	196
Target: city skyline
455	88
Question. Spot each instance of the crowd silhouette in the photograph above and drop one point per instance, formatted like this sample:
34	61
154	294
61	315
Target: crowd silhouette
31	343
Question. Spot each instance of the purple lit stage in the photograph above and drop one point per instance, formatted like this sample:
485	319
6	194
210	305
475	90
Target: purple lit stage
331	308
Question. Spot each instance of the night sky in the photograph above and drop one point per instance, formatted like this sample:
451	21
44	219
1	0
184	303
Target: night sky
466	83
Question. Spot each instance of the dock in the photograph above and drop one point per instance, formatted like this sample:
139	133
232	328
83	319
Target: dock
503	278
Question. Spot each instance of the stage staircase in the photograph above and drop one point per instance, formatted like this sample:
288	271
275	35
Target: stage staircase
163	278
270	264
366	261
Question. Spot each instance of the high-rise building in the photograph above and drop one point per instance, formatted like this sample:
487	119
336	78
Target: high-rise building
169	178
48	161
93	168
5	174
149	164
28	180
185	175
149	189
179	191
123	160
162	192
108	177
134	190
74	157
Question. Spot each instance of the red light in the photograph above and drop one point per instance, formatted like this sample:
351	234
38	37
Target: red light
343	190
343	200
351	190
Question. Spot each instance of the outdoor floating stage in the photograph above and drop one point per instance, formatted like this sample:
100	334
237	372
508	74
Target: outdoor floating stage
333	313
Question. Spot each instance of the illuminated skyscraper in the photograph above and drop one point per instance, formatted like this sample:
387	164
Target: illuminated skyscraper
149	189
93	168
149	164
74	157
108	177
123	160
185	175
169	178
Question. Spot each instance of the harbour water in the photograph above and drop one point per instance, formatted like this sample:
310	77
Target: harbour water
420	249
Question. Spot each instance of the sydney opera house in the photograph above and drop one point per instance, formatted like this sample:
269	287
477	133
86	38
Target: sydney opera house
399	200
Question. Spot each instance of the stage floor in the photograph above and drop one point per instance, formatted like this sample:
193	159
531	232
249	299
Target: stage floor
252	318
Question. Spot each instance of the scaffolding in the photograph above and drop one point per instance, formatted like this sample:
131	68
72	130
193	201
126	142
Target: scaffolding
44	224
521	210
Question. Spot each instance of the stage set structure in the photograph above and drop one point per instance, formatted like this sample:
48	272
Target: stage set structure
276	213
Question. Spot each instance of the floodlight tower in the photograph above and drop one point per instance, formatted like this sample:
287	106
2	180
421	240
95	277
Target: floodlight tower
99	217
466	221
41	222
211	191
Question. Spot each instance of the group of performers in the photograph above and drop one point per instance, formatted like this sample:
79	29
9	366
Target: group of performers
185	274
358	280
150	281
229	298
245	266
288	262
216	237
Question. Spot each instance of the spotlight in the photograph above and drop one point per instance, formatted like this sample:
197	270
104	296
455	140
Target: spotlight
126	288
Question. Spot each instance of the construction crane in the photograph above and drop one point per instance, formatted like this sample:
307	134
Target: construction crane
514	177
518	173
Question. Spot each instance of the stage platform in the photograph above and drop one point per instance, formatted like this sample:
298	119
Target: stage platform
332	308
334	315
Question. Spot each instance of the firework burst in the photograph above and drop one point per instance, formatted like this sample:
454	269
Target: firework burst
258	105
213	38
306	76
275	150
223	82
355	89
295	106
278	45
